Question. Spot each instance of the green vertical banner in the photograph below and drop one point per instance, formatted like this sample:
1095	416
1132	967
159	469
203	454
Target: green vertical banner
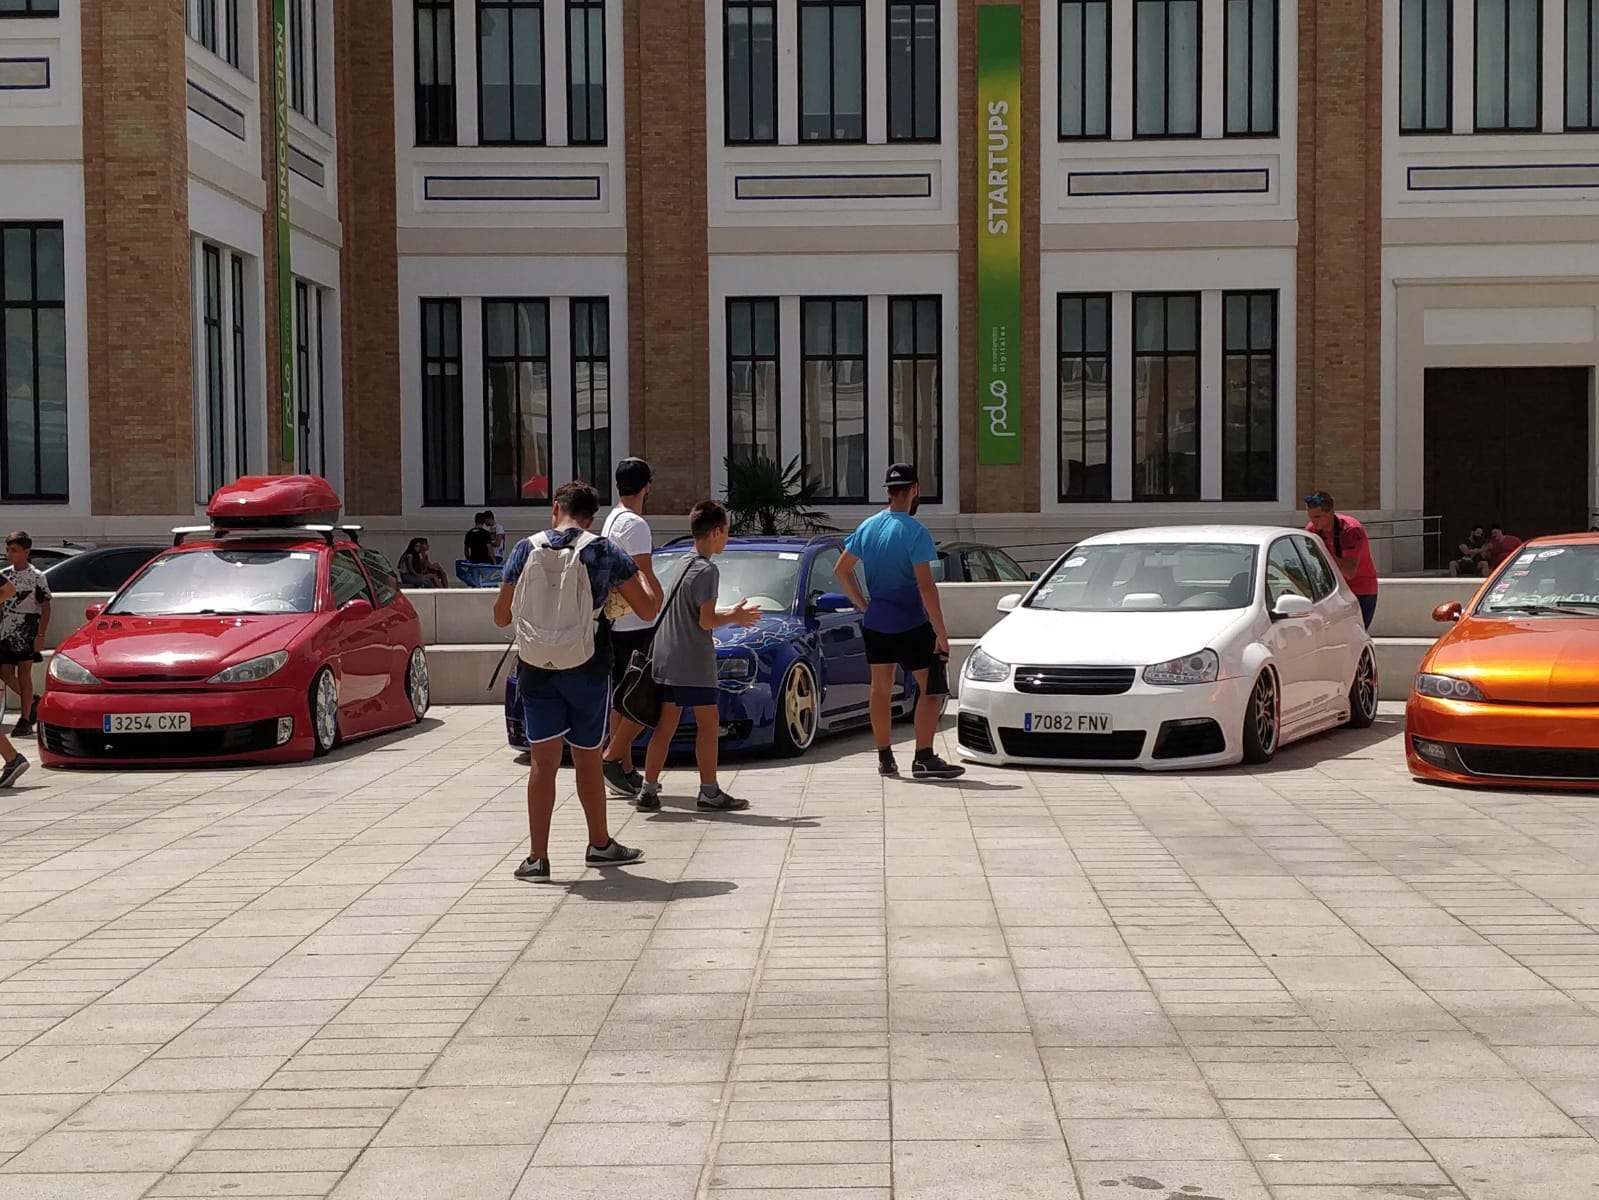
999	234
289	413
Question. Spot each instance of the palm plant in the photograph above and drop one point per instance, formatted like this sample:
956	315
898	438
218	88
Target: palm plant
764	497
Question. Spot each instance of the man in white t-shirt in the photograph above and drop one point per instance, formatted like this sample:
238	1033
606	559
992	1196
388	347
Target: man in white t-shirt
627	527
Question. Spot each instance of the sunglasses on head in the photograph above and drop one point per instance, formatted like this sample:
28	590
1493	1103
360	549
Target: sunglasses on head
1315	501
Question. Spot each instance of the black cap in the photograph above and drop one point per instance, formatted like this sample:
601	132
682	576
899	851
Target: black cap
900	475
633	475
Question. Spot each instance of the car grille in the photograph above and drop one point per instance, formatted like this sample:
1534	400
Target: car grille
975	733
208	742
1189	739
1122	746
1074	681
1517	762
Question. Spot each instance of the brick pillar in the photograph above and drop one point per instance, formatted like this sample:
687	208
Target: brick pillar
668	266
370	272
136	209
999	489
1340	250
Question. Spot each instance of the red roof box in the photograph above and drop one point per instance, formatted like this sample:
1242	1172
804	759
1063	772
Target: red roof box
270	500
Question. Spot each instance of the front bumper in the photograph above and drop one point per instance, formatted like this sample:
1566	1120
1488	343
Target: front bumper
1152	728
226	726
1504	745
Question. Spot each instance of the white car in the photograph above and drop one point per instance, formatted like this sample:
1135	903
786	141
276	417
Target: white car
1170	649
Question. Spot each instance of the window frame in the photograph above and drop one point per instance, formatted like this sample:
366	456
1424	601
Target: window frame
1165	133
1319	570
241	395
598	472
1249	81
831	6
33	305
831	493
1303	586
382	575
214	384
1591	59
1266	492
507	7
889	75
310	376
754	361
934	494
1166	355
365	593
1060	75
1084	356
34	10
1477	69
305	20
1447	125
438	460
490	498
443	114
748	7
584	7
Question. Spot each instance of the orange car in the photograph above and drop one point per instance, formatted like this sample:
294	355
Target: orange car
1510	695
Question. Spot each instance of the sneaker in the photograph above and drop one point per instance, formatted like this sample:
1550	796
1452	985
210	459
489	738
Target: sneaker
612	855
886	766
13	770
930	766
619	782
534	870
648	798
714	799
22	728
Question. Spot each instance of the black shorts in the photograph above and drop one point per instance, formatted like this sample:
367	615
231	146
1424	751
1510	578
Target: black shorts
912	650
623	643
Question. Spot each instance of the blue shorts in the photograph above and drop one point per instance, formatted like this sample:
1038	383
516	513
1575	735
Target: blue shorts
689	697
575	705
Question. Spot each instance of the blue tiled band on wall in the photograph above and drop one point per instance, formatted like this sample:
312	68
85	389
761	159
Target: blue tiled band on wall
854	186
1216	181
1500	177
24	74
512	187
218	111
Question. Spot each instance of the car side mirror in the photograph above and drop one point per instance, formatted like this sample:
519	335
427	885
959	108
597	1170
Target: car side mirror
357	604
1292	605
1448	614
1009	603
93	611
832	602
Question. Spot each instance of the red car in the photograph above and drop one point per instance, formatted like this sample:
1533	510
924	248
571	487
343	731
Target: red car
270	639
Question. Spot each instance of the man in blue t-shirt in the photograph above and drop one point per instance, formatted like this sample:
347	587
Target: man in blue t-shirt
904	624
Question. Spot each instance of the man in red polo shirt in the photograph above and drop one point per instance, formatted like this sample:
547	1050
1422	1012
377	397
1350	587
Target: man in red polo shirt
1501	545
1347	544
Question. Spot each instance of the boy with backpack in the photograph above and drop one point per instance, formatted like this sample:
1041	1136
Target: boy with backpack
554	589
685	663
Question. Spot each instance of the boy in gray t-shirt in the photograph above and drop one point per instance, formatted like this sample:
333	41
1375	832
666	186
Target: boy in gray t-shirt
685	663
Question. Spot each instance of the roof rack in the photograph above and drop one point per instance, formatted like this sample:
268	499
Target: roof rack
268	532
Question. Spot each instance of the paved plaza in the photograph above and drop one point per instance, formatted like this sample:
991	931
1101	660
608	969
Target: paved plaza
1316	981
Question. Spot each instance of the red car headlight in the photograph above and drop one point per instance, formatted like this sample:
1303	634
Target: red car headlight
254	670
71	672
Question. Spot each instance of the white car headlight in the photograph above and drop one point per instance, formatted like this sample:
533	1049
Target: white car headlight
253	671
1202	667
983	667
738	668
1447	687
75	674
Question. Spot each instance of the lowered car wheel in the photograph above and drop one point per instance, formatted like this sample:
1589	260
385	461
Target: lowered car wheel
325	711
1260	720
1363	693
797	709
417	689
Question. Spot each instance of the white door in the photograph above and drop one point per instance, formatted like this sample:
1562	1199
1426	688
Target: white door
1343	625
1295	641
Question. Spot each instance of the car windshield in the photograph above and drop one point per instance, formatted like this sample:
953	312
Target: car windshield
1150	577
1546	581
222	582
768	579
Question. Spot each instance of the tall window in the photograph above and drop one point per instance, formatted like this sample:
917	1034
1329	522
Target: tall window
310	375
1249	396
1425	29
1509	64
443	446
516	425
1166	397
585	72
241	390
510	60
305	53
749	57
33	363
1084	68
591	394
1166	68
915	389
1084	381
833	400
222	392
212	23
832	67
435	72
1582	64
913	71
214	371
1251	90
753	397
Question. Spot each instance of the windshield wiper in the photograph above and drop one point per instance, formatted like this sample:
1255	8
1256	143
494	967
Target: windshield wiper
1580	608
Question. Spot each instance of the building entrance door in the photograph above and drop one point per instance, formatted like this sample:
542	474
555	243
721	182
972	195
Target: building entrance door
1507	444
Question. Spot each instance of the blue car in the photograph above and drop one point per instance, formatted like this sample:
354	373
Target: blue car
799	672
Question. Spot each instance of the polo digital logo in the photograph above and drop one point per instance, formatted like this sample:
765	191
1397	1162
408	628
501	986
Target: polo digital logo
999	410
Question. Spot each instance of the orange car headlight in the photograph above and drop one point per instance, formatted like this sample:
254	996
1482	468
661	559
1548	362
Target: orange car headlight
1447	687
